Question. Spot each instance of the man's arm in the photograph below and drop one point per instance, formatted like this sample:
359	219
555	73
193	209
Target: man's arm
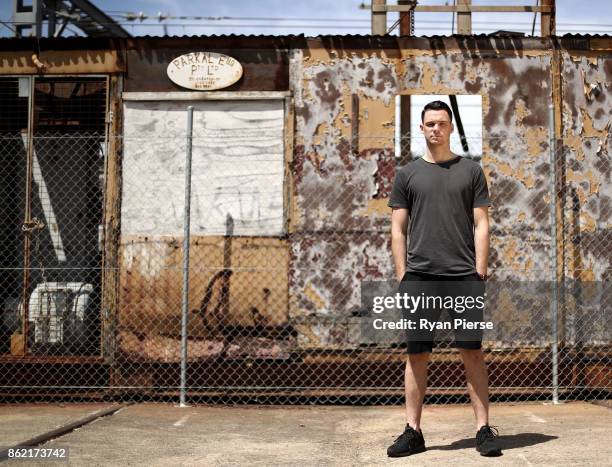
481	238
399	227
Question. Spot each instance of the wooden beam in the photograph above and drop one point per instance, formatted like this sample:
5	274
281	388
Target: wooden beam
464	18
547	22
379	17
463	8
111	260
406	19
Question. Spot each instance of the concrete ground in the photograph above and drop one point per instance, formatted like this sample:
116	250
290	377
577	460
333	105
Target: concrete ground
575	433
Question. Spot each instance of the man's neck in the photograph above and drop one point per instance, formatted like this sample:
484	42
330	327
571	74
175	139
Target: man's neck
438	154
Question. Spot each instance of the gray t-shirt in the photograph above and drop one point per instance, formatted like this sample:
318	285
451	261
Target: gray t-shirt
440	199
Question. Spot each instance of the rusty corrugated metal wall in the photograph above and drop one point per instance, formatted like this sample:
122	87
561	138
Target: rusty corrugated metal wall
291	302
339	80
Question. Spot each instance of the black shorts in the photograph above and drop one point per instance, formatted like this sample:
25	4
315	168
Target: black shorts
416	284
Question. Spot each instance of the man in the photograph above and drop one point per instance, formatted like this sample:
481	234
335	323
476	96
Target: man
445	199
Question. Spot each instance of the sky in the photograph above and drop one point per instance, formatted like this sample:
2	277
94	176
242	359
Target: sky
315	17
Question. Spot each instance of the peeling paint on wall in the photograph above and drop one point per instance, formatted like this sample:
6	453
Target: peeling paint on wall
342	194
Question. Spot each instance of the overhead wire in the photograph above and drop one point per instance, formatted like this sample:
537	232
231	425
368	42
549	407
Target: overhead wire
441	22
425	26
336	20
492	25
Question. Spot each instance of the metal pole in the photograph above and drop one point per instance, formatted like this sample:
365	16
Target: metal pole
23	346
406	27
553	254
186	257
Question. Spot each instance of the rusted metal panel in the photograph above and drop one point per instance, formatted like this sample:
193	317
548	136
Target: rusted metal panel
289	150
587	146
254	305
340	194
112	217
62	62
325	283
326	272
302	292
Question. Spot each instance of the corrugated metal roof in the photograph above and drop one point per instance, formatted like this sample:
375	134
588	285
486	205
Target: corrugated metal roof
241	41
292	36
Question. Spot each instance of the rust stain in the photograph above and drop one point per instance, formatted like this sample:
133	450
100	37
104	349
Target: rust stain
536	140
587	275
322	334
376	207
320	133
512	318
411	53
435	87
306	336
317	55
589	57
515	257
150	288
510	252
317	160
588	223
63	62
588	131
454	49
314	297
342	120
486	104
521	111
372	131
578	177
519	174
574	142
600	44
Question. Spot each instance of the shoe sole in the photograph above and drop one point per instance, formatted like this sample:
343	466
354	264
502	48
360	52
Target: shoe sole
493	453
406	454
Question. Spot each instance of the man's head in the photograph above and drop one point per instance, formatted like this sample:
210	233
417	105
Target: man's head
437	123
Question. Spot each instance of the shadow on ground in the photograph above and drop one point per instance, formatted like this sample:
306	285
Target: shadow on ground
519	440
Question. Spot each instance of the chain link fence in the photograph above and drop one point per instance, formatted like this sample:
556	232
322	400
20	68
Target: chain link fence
275	278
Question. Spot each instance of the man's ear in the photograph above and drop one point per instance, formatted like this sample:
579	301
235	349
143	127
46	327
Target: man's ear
422	128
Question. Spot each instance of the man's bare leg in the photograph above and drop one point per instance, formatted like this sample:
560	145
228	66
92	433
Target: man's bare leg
478	384
415	381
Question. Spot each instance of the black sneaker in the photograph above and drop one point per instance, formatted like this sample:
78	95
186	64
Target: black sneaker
408	443
487	442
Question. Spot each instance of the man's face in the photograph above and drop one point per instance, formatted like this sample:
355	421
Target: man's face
437	127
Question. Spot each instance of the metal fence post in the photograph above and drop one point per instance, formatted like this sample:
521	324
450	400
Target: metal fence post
186	220
553	254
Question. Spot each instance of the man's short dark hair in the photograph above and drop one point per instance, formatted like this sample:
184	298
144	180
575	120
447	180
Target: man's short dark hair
436	105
